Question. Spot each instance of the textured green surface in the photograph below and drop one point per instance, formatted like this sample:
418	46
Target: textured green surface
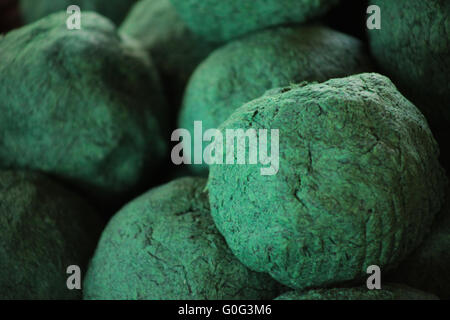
387	292
82	105
115	10
174	48
359	183
428	267
244	69
412	48
44	229
164	245
218	20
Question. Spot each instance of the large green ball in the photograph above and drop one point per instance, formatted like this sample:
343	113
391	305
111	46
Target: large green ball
244	69
358	184
164	245
84	105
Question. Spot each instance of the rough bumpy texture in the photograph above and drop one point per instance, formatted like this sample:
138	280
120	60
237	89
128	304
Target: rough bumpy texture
387	292
115	10
428	267
174	48
218	20
412	48
164	245
44	229
359	183
94	122
244	69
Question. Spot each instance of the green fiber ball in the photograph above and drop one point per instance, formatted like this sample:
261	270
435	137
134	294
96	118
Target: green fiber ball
83	105
217	20
164	245
358	182
115	10
244	69
174	48
412	48
428	267
387	292
44	230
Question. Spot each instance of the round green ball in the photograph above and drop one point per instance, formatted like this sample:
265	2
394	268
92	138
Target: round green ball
245	69
45	229
359	183
164	245
223	20
85	105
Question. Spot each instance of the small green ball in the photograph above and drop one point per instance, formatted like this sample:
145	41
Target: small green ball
218	20
359	183
44	230
164	245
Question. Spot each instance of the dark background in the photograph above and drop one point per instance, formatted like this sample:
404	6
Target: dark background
348	17
9	15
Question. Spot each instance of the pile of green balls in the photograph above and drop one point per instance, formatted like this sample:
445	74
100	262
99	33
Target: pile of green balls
87	179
